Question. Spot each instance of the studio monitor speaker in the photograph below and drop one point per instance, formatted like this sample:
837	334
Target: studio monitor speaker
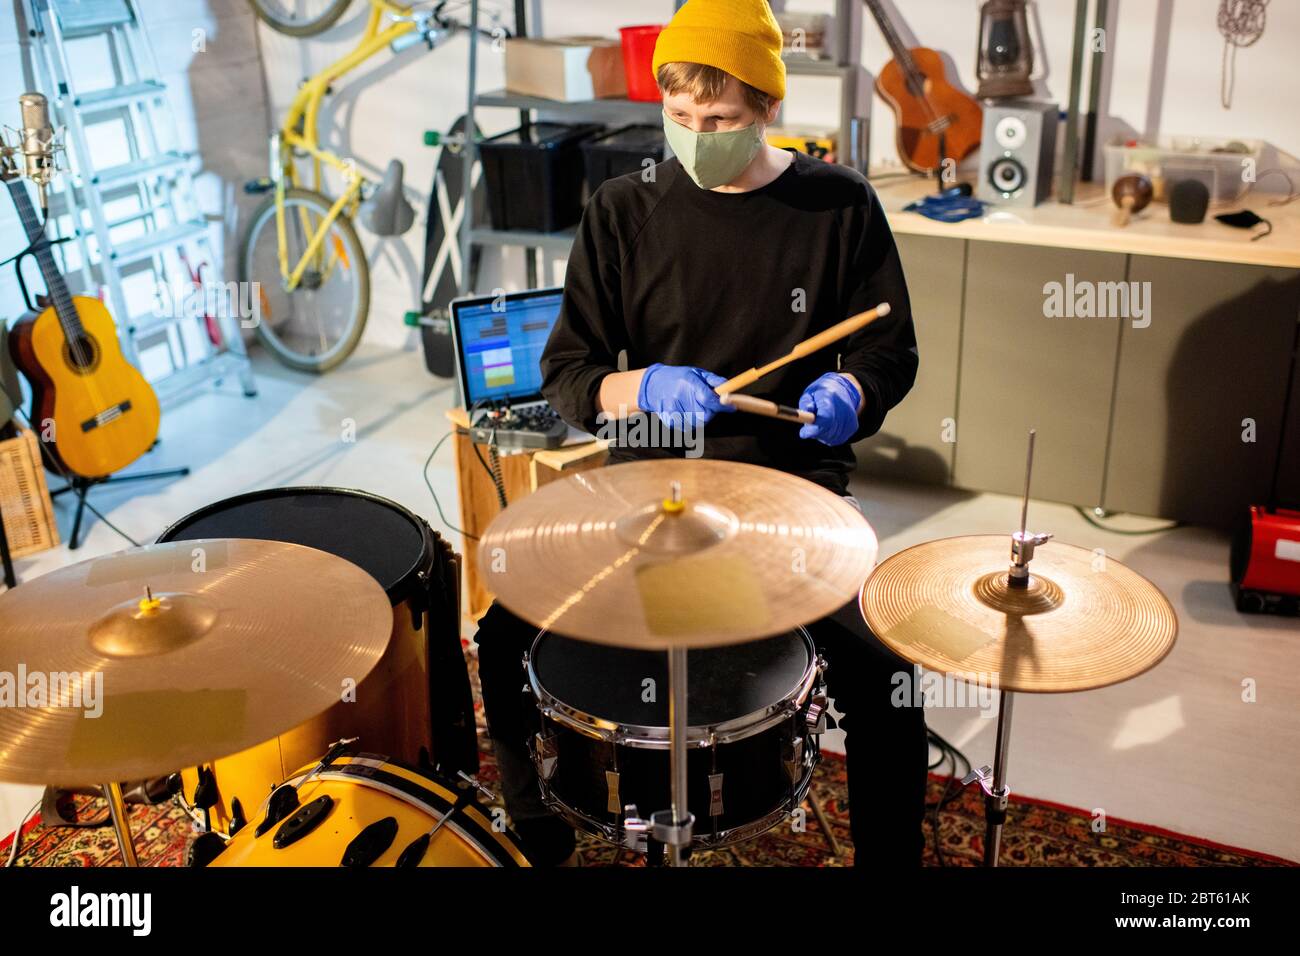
1016	152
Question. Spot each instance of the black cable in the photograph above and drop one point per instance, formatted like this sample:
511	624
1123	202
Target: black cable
493	470
436	503
947	753
1087	516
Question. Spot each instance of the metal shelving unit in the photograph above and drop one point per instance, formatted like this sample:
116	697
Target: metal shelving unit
845	67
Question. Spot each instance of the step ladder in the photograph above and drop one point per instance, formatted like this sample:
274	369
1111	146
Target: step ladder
133	213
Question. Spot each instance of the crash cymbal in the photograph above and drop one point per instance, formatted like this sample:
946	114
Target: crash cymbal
1084	621
744	552
234	642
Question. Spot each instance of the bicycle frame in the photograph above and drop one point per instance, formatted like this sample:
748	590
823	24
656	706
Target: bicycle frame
299	135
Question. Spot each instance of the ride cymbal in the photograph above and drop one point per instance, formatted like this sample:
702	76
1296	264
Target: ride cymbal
233	642
617	556
1084	621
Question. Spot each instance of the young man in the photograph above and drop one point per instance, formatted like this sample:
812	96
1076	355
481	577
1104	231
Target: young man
711	263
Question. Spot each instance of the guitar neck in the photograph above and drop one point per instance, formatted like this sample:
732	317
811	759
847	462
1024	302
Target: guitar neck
896	45
55	285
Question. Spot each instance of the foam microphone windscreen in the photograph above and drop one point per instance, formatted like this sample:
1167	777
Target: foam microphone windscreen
1188	200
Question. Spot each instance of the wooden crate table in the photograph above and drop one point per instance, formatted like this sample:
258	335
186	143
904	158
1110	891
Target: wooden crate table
522	473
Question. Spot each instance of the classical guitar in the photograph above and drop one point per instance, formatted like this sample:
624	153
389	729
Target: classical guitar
936	121
95	412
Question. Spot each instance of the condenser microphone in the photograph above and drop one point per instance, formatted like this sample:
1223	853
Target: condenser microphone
37	143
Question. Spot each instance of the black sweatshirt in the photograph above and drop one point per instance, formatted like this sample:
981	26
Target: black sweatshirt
676	274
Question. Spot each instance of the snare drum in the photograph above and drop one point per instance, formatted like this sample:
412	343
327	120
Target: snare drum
390	710
394	804
755	712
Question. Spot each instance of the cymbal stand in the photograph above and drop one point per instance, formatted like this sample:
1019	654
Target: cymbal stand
993	781
121	825
671	828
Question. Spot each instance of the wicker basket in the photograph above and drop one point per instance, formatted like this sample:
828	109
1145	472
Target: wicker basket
25	498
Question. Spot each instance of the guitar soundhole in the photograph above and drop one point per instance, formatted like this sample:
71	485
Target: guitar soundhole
82	354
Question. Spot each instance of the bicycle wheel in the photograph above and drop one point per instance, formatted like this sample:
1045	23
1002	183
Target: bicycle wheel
316	326
300	18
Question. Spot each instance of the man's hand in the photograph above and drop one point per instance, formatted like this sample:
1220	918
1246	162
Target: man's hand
674	392
835	400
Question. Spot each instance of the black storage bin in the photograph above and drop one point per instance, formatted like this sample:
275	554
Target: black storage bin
622	151
534	176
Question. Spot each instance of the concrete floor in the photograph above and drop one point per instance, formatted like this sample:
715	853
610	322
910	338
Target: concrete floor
1177	747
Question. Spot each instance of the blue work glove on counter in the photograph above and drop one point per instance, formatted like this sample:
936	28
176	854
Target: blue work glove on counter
834	400
674	392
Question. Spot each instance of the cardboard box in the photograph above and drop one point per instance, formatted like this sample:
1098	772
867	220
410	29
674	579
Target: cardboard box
568	69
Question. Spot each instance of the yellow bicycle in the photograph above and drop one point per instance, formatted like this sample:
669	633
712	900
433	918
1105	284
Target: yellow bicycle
300	252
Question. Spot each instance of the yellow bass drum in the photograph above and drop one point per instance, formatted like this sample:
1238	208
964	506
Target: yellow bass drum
370	810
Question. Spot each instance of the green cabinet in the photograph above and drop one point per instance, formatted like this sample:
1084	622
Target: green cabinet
1200	391
1164	398
1023	368
916	440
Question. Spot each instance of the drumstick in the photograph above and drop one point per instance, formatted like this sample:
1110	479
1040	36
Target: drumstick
806	347
761	406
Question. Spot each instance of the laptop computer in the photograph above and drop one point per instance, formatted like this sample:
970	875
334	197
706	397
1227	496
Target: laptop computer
498	341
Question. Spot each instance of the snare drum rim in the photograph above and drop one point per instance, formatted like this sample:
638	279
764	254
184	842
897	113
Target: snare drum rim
698	736
412	581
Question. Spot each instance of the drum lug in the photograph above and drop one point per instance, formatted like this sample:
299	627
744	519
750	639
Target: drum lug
794	760
612	802
418	608
634	827
545	755
815	716
715	794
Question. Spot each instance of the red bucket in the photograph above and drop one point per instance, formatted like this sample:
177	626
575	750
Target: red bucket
638	60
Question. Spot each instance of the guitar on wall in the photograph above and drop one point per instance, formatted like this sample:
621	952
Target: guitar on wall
104	413
936	121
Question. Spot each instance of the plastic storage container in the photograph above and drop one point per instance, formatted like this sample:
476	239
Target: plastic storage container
622	151
1226	167
533	176
638	58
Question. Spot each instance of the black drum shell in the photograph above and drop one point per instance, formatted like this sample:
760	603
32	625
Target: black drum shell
763	747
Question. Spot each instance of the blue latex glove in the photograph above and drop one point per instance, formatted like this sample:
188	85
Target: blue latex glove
674	392
834	400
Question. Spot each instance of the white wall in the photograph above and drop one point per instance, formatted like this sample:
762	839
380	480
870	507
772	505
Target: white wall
206	51
1164	77
382	111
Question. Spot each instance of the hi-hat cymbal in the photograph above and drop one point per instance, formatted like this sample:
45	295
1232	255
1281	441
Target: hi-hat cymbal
608	556
1084	621
234	642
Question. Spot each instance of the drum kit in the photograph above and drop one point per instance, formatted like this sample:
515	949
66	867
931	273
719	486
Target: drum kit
700	573
712	558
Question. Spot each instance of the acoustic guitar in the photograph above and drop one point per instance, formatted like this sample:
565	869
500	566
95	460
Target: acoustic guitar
936	121
94	411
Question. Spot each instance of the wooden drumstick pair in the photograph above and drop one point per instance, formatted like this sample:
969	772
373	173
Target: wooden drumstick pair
762	406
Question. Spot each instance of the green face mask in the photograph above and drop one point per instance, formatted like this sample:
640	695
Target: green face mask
713	159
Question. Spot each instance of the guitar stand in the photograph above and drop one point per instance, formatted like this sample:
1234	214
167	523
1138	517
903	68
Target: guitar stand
81	487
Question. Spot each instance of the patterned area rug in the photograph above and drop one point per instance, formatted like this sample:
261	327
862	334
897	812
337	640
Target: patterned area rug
1038	833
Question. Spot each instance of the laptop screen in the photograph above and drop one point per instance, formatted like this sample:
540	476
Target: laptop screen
499	341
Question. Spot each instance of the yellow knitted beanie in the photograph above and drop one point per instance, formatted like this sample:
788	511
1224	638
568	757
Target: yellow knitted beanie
740	37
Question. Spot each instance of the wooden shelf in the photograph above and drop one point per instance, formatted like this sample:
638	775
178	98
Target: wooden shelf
1087	224
614	109
559	242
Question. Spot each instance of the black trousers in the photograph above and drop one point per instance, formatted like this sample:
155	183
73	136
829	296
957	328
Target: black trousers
885	744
